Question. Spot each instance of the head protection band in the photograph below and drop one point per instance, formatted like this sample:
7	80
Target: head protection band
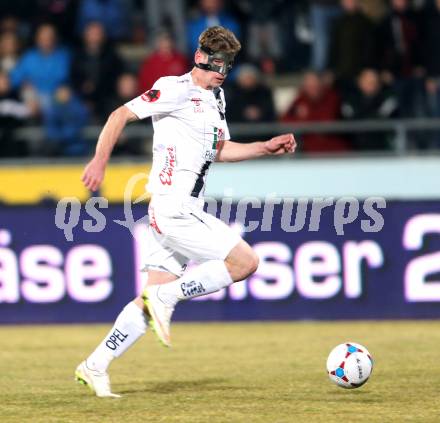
227	58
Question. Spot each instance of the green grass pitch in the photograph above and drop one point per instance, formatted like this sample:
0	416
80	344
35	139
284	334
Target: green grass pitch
232	373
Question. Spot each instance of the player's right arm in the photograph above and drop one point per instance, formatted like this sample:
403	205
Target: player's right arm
94	171
161	99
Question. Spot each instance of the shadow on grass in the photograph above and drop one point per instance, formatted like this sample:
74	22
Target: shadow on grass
353	397
171	386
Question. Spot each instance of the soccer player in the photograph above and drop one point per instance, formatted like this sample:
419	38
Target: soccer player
190	132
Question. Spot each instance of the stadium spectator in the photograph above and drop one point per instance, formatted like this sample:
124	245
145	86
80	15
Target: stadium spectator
402	46
9	51
165	60
13	10
263	32
322	17
64	121
126	90
45	66
296	36
166	14
430	36
96	66
370	100
13	113
430	40
61	13
352	45
400	56
249	99
210	13
114	15
14	25
375	9
316	101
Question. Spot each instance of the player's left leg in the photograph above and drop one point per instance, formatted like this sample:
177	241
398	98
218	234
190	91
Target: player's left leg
225	257
210	276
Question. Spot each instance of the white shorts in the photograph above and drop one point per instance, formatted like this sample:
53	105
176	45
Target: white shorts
180	231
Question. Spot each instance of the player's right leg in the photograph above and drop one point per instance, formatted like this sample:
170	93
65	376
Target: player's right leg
129	326
131	323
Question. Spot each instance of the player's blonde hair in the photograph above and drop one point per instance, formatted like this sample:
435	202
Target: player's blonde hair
218	38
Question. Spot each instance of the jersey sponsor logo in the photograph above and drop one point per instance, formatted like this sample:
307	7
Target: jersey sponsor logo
210	155
166	174
153	222
219	135
192	288
151	96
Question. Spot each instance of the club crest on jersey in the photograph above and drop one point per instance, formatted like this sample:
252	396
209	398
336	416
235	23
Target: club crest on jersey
166	174
151	96
197	105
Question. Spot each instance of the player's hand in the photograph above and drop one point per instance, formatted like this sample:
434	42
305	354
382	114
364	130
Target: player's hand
282	144
93	174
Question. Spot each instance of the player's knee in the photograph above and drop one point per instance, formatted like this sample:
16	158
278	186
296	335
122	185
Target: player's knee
253	263
241	262
249	265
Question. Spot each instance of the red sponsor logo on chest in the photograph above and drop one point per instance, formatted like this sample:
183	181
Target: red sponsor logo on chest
166	174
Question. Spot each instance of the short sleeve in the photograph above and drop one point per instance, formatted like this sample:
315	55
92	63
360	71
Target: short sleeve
161	99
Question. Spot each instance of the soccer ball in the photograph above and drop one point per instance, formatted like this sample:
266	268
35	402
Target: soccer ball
349	365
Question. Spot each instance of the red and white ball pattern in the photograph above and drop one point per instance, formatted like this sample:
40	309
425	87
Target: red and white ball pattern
349	365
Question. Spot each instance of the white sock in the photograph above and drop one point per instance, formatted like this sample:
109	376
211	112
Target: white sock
129	326
206	278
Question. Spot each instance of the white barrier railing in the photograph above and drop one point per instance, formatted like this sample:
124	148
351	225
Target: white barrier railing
400	128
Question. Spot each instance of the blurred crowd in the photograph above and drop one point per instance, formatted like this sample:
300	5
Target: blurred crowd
64	64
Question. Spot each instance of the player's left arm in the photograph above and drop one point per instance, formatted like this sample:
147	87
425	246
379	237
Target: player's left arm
230	151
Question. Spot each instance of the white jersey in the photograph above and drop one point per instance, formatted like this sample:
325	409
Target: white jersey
188	122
